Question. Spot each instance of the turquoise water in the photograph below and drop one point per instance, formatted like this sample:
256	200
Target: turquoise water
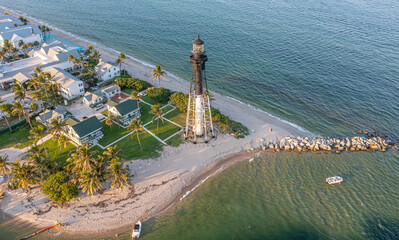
330	67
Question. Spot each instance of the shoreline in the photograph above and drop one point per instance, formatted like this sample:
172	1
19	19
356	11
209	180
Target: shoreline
156	188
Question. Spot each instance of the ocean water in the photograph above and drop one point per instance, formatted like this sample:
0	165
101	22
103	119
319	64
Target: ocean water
330	67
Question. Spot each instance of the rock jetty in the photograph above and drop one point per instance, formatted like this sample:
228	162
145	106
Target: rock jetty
369	142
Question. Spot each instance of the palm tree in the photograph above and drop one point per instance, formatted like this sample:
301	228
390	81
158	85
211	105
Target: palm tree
118	173
111	152
157	114
157	73
81	160
23	175
70	58
41	165
4	165
63	140
90	182
24	48
3	110
135	96
21	43
135	126
37	134
19	111
110	120
121	60
56	130
37	71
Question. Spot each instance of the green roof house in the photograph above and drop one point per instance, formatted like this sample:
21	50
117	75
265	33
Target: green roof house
126	111
87	131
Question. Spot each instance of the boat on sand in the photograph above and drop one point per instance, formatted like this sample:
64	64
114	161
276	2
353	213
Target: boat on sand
136	230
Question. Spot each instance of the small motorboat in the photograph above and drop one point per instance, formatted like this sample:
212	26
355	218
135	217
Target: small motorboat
334	180
136	230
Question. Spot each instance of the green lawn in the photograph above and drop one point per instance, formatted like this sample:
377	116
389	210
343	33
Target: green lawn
53	150
175	141
128	91
17	138
166	109
165	129
152	101
177	117
112	135
130	148
145	113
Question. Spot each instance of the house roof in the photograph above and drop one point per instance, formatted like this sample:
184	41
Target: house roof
92	96
111	88
7	22
103	67
87	126
71	121
126	107
51	114
21	31
61	77
111	103
21	77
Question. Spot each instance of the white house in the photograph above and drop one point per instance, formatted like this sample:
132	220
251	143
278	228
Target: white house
56	55
7	22
106	71
48	115
127	111
28	33
111	91
71	87
87	131
93	98
21	77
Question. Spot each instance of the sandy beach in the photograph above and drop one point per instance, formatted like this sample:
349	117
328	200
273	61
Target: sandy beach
160	182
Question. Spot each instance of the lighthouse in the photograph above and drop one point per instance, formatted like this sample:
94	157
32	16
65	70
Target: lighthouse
199	117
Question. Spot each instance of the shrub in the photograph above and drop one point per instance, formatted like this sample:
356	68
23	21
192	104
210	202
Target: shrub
134	83
59	188
160	95
226	125
180	100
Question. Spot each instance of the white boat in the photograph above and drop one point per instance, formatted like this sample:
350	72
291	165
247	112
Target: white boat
334	180
136	230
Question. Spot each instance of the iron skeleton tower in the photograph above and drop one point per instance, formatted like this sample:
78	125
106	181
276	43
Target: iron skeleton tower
199	117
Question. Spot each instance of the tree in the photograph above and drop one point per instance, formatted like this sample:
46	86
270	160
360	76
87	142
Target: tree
22	175
118	173
90	182
19	91
24	48
157	73
56	130
121	60
180	100
6	109
4	165
19	111
112	153
110	120
81	160
20	43
157	114
5	13
135	127
59	188
37	134
135	96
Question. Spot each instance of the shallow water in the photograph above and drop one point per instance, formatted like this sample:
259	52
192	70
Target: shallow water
331	67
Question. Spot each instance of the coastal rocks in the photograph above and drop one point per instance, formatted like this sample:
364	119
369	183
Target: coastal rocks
367	142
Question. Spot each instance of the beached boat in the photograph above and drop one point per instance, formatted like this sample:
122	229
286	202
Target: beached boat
334	180
136	230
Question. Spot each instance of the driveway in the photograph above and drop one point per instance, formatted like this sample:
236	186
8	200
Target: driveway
80	110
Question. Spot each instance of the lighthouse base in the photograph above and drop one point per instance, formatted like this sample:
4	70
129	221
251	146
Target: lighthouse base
199	127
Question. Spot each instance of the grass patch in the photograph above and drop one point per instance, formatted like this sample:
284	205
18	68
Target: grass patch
17	138
53	150
175	141
166	109
152	101
112	135
165	129
130	148
128	91
177	117
145	113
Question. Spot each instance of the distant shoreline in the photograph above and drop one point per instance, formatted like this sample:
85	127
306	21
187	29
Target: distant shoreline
159	183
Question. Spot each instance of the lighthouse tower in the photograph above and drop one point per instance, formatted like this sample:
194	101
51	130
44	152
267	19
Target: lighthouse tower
199	118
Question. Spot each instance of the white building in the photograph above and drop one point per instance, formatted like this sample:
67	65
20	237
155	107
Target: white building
27	33
87	131
7	22
57	55
106	71
47	116
126	111
93	98
111	91
71	87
